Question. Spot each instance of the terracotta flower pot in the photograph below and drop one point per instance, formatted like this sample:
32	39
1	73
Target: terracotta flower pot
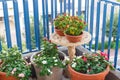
73	38
3	76
59	32
80	76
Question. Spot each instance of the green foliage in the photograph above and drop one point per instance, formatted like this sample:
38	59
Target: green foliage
32	30
113	45
118	0
48	58
62	21
76	26
91	63
13	64
114	27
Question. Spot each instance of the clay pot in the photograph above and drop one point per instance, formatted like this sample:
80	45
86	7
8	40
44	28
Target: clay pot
3	76
80	76
59	32
57	72
73	38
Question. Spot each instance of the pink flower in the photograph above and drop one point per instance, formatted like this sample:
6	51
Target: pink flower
14	69
103	54
84	58
21	75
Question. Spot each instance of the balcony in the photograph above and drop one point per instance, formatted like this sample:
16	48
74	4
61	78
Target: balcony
23	23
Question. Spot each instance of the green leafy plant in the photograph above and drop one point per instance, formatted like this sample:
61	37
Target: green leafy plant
13	64
91	63
114	27
48	58
76	26
62	21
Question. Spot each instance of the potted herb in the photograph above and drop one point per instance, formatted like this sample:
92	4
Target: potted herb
90	67
48	63
12	65
61	22
75	30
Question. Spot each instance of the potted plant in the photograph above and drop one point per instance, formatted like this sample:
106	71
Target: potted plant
75	30
61	22
12	65
90	67
48	63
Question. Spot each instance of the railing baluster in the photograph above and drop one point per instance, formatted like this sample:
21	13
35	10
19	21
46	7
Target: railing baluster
104	26
97	25
47	21
69	6
60	6
79	7
87	14
55	8
36	23
7	25
17	24
52	15
110	31
43	14
64	6
27	25
91	22
117	41
73	7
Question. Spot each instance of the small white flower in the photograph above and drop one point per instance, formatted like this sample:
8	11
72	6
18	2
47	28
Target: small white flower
56	60
78	57
54	57
74	65
38	54
88	64
55	64
48	70
44	62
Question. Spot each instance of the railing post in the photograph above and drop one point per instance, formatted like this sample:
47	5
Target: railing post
7	26
36	23
97	25
17	24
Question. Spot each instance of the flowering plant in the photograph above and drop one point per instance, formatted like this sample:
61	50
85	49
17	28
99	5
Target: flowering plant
13	64
76	26
48	58
62	21
91	63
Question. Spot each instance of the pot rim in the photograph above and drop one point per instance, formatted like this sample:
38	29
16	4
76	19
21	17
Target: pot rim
73	35
70	68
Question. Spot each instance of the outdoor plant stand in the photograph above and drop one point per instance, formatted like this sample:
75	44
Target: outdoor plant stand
61	40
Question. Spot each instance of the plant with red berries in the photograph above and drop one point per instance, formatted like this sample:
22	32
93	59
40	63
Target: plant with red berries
91	63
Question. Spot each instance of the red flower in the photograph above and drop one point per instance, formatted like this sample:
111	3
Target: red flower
104	55
81	27
49	41
84	58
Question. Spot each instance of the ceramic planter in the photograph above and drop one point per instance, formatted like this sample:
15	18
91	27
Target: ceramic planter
73	38
3	76
59	32
57	72
80	76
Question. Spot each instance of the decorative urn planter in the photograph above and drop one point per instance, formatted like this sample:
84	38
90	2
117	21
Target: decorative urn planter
56	72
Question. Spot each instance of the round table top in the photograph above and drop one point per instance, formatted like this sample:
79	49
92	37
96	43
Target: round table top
61	40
